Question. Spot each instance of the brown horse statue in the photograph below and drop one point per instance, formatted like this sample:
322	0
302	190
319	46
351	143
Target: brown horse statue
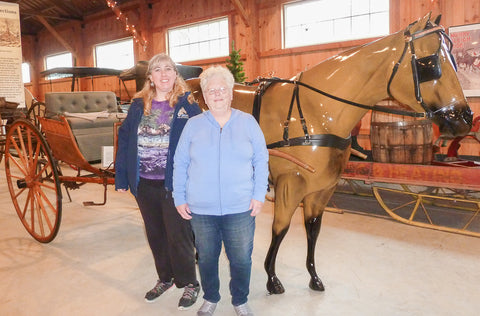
307	120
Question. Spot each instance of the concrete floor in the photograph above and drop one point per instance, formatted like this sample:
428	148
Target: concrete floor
100	264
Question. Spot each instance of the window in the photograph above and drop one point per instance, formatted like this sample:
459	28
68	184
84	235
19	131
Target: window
59	60
199	41
115	55
326	21
26	72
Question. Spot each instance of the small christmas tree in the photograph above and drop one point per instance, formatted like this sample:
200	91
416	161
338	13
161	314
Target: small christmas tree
235	65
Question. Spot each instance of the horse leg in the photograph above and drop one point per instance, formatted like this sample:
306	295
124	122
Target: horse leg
288	194
313	206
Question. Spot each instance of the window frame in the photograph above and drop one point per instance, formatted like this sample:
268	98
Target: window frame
351	38
57	76
125	39
228	39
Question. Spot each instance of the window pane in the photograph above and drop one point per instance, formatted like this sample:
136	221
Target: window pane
326	21
60	60
379	23
378	5
26	72
339	8
361	25
199	41
115	55
360	7
343	28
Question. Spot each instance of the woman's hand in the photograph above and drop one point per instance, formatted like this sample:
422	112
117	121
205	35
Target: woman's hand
184	211
256	207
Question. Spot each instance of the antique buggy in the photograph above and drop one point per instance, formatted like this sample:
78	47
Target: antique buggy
34	145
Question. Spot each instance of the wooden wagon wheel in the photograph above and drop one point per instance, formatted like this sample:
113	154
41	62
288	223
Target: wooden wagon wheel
33	182
36	110
429	211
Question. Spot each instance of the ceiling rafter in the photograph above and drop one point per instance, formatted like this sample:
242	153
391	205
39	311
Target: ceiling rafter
29	14
67	7
56	12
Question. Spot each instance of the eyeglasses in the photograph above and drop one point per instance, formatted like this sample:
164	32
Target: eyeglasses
221	90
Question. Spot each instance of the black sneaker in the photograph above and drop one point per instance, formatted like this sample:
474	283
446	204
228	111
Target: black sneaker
189	297
160	288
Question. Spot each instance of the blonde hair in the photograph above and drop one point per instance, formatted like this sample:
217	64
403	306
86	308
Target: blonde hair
148	91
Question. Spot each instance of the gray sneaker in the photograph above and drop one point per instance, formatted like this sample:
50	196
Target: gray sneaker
207	309
243	310
159	288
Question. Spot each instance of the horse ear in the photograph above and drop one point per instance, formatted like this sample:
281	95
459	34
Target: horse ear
437	19
420	24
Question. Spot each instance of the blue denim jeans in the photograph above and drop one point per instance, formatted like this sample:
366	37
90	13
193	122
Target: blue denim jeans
236	231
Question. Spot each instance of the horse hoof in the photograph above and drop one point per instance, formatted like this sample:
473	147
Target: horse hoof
316	285
274	286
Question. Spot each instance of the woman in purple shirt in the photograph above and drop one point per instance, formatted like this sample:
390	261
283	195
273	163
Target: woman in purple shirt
147	141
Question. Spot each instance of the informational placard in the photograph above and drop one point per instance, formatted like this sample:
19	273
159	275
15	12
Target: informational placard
11	84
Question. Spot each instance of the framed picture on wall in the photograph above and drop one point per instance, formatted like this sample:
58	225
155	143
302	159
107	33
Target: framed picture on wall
466	50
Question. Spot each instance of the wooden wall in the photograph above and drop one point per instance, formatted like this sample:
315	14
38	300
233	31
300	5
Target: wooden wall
258	34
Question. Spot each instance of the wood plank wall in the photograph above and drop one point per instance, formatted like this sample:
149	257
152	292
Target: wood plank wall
260	41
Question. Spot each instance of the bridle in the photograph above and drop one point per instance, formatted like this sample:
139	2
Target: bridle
423	69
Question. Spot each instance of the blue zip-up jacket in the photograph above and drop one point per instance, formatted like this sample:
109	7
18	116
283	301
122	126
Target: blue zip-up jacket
127	161
218	171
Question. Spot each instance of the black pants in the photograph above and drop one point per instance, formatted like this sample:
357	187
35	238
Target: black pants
170	236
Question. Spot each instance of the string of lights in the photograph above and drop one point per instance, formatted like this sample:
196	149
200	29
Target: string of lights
128	27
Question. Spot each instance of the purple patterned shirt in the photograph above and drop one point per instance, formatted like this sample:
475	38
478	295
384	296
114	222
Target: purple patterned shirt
153	140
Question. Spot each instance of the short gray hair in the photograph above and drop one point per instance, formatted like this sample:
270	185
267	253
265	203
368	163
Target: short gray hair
216	71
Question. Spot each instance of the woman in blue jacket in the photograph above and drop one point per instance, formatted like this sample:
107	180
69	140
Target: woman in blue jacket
219	183
147	141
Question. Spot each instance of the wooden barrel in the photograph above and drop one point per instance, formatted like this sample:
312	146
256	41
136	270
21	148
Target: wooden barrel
400	139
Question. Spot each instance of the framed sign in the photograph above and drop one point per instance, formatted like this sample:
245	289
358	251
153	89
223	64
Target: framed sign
11	84
466	50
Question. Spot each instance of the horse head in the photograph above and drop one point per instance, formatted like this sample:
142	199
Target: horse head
426	58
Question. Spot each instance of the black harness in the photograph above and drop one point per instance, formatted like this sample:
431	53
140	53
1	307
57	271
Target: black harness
423	69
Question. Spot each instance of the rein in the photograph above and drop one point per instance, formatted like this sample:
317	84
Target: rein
378	108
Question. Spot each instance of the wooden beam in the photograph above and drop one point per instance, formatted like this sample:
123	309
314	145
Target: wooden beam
30	14
241	10
67	7
57	36
58	7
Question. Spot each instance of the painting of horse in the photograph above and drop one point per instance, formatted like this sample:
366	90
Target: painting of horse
307	119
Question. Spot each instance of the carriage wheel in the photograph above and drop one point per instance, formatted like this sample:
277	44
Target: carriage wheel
32	178
415	207
36	110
